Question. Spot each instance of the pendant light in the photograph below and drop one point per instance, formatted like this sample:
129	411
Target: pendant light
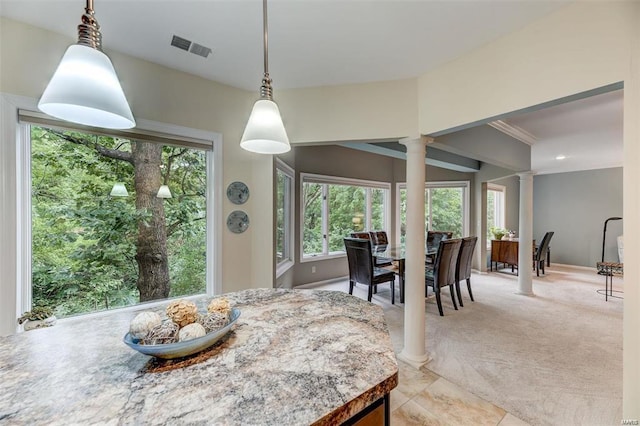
265	133
119	190
85	88
164	192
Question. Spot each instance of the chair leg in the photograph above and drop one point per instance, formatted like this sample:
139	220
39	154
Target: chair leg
375	289
453	298
469	288
393	290
537	269
370	295
439	302
351	284
459	294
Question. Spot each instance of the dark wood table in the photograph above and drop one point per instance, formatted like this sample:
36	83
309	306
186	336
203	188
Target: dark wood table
398	255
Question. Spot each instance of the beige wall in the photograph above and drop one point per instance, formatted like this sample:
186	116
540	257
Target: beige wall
583	46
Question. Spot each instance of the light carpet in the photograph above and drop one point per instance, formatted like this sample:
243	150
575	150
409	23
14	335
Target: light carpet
550	359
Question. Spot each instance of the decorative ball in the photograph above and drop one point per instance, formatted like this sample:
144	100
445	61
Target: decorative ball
182	312
191	331
143	322
167	332
220	305
213	321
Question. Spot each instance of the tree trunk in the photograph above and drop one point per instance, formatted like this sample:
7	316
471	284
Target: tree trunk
151	255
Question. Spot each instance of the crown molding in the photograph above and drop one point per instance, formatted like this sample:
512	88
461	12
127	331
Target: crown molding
513	131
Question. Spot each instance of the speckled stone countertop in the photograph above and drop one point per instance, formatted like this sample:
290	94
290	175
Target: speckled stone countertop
295	357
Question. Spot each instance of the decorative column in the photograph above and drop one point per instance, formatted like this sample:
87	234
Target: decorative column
414	352
525	235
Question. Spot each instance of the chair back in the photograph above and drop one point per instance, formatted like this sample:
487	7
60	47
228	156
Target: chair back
434	237
379	238
465	257
541	254
363	235
444	269
360	260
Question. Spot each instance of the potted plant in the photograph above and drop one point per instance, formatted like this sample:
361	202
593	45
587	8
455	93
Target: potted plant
38	317
498	233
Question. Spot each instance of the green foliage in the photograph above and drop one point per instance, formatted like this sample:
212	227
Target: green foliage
84	241
38	313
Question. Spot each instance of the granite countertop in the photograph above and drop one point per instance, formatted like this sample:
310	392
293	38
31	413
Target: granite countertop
295	357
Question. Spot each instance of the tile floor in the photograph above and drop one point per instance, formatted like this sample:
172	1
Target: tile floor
424	398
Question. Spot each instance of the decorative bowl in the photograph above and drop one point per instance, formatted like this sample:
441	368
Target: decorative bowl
180	349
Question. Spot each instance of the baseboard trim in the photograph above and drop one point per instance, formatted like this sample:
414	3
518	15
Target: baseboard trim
319	283
583	268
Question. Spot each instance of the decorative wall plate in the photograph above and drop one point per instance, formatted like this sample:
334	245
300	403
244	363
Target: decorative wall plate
237	221
237	192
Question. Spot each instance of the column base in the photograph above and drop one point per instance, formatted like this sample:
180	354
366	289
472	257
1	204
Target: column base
522	293
414	361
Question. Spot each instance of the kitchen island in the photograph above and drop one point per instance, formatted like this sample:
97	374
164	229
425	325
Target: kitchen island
295	357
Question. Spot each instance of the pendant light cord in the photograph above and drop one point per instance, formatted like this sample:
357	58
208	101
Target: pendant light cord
266	91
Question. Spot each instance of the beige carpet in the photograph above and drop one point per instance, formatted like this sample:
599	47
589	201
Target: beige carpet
551	359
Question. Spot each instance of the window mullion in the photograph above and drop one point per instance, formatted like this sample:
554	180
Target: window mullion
325	219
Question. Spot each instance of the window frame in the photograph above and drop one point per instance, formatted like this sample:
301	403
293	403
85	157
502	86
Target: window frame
501	212
335	180
289	200
18	286
466	200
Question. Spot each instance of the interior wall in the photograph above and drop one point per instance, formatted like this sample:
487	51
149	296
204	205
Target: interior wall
575	205
333	160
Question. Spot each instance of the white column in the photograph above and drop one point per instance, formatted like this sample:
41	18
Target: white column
414	351
525	235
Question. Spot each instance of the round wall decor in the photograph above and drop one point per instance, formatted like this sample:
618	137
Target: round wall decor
237	221
237	192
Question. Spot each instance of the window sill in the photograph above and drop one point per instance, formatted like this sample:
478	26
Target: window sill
283	267
333	255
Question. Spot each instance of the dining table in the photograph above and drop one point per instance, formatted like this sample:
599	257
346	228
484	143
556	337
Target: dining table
398	255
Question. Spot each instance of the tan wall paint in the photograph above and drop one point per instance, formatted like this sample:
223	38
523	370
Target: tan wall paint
29	57
354	112
583	46
580	47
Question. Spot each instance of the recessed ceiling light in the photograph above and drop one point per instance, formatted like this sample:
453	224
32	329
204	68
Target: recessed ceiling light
560	157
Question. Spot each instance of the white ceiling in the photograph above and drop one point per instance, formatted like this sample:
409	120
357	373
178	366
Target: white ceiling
329	42
588	132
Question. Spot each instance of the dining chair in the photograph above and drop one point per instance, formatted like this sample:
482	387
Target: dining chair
433	240
377	260
541	253
443	273
463	266
362	270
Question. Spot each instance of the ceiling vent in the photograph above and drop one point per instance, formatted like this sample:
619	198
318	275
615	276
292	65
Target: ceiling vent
195	48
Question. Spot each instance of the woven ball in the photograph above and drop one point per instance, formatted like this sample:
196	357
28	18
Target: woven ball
191	331
143	322
164	333
213	321
182	312
220	305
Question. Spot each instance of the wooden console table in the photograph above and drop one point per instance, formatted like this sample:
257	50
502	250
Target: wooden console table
504	251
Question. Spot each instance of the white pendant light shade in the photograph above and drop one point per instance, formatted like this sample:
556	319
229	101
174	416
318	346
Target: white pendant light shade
85	90
265	133
119	190
164	192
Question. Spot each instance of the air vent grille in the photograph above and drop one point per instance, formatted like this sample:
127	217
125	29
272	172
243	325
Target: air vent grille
200	50
189	46
180	43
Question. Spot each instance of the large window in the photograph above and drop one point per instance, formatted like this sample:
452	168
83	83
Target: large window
333	207
446	208
115	220
284	216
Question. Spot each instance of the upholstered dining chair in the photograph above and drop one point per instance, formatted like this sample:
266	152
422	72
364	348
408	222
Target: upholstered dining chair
541	253
377	260
362	270
443	273
463	266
